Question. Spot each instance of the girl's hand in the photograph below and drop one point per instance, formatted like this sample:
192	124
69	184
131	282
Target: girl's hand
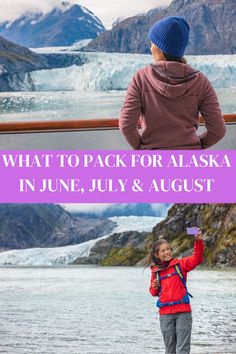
155	284
199	235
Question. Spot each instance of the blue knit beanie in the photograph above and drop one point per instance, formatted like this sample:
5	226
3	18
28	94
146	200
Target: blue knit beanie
171	35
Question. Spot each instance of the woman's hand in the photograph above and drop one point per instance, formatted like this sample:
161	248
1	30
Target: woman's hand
199	235
155	284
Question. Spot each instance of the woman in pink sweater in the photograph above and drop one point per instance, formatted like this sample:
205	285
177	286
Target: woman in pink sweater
168	95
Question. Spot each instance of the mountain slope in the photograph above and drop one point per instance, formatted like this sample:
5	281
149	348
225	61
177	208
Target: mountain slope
63	26
46	225
212	23
15	63
15	58
123	249
217	222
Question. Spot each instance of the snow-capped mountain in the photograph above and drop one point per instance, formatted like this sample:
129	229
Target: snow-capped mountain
62	26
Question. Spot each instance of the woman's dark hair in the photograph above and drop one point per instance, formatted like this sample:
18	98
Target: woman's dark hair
152	259
169	57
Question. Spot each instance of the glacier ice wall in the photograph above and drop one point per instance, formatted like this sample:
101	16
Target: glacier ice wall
113	71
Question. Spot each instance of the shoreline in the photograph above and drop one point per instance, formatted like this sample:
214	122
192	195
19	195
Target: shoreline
201	268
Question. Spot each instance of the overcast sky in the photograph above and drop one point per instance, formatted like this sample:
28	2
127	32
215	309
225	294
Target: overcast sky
97	207
106	10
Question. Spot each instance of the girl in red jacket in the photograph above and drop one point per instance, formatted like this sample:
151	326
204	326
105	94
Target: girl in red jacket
168	282
168	95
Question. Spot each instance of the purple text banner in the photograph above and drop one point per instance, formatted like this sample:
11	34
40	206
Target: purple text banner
99	176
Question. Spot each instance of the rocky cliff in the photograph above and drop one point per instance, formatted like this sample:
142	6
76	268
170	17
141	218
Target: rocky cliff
46	225
217	222
212	23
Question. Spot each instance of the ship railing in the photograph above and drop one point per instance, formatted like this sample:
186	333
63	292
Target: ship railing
84	134
75	125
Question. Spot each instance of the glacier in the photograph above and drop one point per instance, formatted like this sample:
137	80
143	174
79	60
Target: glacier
66	255
113	71
97	88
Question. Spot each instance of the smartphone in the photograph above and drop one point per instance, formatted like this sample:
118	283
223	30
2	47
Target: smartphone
192	231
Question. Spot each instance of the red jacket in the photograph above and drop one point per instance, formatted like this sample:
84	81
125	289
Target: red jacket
172	288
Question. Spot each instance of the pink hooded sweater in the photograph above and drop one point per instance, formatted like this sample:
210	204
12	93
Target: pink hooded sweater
167	98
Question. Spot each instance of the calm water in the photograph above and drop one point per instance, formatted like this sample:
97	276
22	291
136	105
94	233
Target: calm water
107	310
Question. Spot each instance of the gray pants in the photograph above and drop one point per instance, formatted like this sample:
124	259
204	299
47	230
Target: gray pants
176	331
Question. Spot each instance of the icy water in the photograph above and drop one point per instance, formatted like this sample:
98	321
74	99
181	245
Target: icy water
97	88
85	310
59	105
67	105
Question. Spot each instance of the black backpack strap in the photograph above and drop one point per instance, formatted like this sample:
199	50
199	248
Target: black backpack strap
158	277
